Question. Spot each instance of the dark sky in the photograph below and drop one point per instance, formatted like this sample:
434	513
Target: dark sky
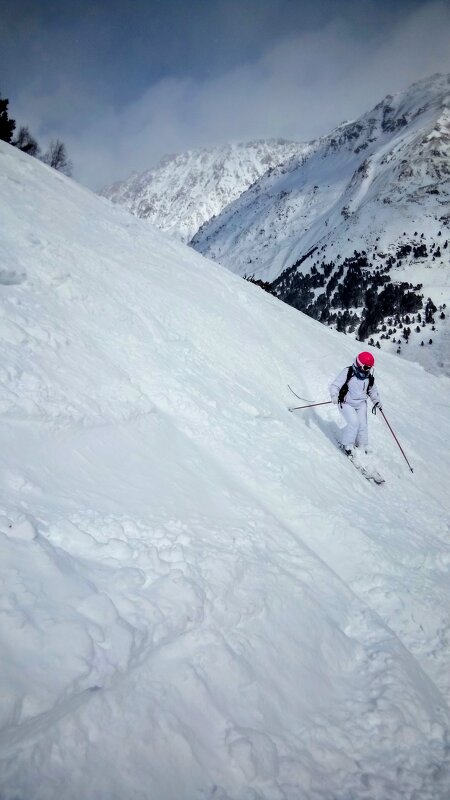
124	83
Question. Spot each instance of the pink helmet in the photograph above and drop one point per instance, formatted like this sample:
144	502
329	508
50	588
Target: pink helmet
365	361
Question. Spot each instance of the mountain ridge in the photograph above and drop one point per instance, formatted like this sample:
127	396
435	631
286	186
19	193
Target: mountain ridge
380	126
377	187
186	189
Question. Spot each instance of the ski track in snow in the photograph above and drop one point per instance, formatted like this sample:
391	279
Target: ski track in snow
200	597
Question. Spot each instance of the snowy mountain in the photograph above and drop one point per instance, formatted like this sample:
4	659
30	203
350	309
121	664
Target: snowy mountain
187	189
367	204
201	597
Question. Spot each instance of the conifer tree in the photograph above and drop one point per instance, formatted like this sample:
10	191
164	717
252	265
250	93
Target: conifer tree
7	125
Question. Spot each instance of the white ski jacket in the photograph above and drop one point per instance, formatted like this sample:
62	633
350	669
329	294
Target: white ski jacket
358	389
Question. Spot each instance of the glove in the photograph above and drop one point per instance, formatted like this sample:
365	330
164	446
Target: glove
375	406
334	400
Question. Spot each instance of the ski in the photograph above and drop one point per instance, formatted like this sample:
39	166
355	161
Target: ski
373	477
370	475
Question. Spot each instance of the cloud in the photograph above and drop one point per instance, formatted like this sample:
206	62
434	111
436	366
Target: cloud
300	87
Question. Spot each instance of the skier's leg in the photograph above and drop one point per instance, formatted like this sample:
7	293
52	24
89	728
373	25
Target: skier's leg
362	436
348	434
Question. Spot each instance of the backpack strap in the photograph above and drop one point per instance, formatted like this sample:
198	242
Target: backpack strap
344	388
371	383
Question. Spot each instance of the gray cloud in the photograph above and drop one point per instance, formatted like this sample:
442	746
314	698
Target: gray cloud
300	86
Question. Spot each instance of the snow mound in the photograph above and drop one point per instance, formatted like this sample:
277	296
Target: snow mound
200	596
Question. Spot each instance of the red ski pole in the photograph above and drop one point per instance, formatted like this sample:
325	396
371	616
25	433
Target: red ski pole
393	434
311	405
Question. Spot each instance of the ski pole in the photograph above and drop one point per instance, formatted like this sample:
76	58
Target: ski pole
311	405
305	399
393	434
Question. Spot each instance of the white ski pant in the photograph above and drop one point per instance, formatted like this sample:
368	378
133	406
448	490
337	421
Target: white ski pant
355	432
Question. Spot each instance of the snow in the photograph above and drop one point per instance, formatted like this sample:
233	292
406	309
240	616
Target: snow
201	598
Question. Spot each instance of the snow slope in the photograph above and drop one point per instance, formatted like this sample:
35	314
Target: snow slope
201	598
185	190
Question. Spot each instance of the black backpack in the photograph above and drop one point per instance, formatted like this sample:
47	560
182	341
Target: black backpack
344	388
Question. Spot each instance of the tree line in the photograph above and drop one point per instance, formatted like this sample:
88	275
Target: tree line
357	294
56	154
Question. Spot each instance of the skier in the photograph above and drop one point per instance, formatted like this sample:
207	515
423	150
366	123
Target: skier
350	391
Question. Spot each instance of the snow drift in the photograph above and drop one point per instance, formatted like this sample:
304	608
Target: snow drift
200	596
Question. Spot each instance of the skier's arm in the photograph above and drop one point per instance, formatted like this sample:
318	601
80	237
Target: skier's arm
374	395
337	385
